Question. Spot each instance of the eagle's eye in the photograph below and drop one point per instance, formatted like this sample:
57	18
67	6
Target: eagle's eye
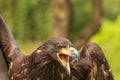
59	46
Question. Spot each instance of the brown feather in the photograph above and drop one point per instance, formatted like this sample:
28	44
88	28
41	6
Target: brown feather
93	64
8	43
38	65
3	67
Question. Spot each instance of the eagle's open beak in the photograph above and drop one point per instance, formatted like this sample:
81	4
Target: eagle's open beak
65	54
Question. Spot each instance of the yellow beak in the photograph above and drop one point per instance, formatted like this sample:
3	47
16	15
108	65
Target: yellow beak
64	54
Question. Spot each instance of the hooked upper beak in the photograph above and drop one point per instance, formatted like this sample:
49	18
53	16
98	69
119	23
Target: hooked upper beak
74	54
64	54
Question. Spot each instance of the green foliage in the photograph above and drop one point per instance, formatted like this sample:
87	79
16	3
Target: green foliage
28	20
111	9
109	38
82	15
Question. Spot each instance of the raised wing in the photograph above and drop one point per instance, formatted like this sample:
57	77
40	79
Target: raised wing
3	68
93	64
8	44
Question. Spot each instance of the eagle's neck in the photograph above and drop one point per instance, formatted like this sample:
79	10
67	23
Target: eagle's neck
44	67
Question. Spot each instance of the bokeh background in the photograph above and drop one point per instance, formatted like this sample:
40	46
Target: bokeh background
31	23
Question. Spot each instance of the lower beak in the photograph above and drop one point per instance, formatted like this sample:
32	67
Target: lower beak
65	54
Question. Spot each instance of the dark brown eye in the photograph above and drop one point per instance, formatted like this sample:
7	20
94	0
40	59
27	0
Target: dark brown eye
59	46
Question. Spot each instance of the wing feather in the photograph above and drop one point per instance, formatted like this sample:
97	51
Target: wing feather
3	68
7	43
93	64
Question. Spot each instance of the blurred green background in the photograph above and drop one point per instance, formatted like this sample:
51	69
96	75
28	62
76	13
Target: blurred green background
30	22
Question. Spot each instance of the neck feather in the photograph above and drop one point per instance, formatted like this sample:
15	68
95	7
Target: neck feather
45	67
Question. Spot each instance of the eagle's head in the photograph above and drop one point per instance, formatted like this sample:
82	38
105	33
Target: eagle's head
61	50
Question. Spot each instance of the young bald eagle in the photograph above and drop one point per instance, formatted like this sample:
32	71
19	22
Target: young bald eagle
51	61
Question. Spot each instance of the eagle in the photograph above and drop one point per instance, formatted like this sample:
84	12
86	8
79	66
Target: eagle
57	59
